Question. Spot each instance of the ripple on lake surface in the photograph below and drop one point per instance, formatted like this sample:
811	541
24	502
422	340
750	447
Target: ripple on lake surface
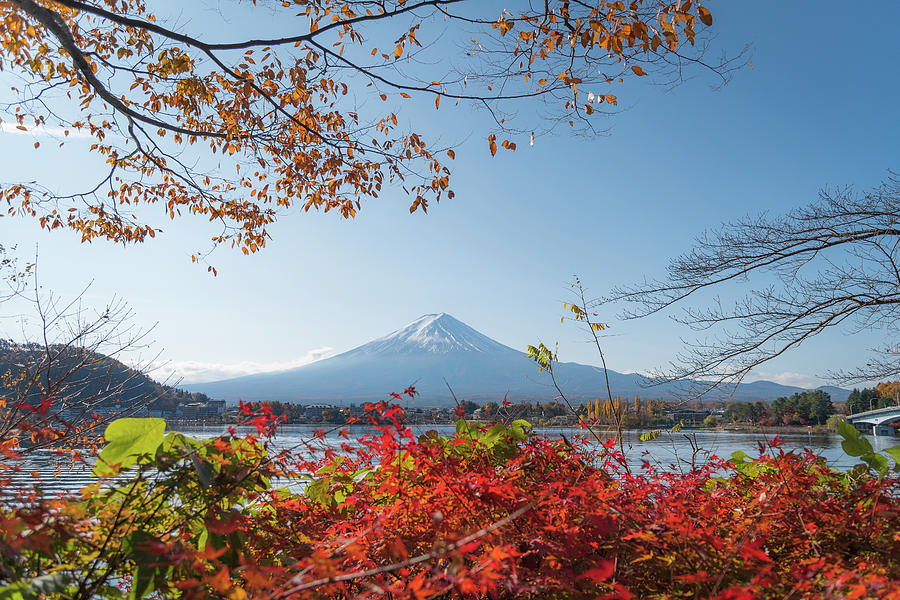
52	475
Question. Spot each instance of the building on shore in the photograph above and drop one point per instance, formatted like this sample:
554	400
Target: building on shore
200	411
691	417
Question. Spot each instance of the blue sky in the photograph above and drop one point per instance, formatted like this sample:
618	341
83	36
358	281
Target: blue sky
817	108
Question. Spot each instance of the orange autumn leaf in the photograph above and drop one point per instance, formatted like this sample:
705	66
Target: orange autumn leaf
145	88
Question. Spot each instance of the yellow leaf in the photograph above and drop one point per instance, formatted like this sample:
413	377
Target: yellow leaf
638	71
237	593
398	51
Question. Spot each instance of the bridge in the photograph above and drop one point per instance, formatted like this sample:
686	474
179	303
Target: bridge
878	420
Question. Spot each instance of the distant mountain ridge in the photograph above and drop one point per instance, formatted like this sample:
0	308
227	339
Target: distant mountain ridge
437	350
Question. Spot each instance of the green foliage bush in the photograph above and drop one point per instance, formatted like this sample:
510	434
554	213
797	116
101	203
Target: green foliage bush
488	512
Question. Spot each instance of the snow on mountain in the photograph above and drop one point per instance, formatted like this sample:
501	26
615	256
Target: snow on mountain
435	351
434	334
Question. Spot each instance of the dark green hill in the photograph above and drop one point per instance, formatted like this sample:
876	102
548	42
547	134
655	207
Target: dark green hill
73	379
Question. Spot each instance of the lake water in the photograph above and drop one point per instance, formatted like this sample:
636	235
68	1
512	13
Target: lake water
669	450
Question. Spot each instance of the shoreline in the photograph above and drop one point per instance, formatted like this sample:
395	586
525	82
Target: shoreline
733	428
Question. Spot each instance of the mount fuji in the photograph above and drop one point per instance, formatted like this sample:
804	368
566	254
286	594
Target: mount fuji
436	350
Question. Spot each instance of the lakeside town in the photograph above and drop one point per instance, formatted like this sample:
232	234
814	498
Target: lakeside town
804	410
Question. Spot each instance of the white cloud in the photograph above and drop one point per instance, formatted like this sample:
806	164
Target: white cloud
642	373
192	371
801	380
42	130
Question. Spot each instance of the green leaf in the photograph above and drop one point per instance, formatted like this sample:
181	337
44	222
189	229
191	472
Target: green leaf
490	437
847	431
318	491
745	465
362	475
740	456
174	440
203	538
466	430
853	443
714	482
894	452
332	466
143	581
877	462
127	440
856	446
519	429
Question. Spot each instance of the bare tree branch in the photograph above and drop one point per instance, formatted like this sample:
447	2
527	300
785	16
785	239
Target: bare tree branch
828	264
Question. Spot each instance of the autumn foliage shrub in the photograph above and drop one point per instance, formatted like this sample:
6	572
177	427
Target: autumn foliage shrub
490	512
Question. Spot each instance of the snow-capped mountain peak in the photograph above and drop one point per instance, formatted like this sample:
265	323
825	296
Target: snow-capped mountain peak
436	351
437	333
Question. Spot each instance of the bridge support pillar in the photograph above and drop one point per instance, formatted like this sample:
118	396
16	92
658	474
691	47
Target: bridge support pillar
883	430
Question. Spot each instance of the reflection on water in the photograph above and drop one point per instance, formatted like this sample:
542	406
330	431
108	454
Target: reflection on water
51	475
